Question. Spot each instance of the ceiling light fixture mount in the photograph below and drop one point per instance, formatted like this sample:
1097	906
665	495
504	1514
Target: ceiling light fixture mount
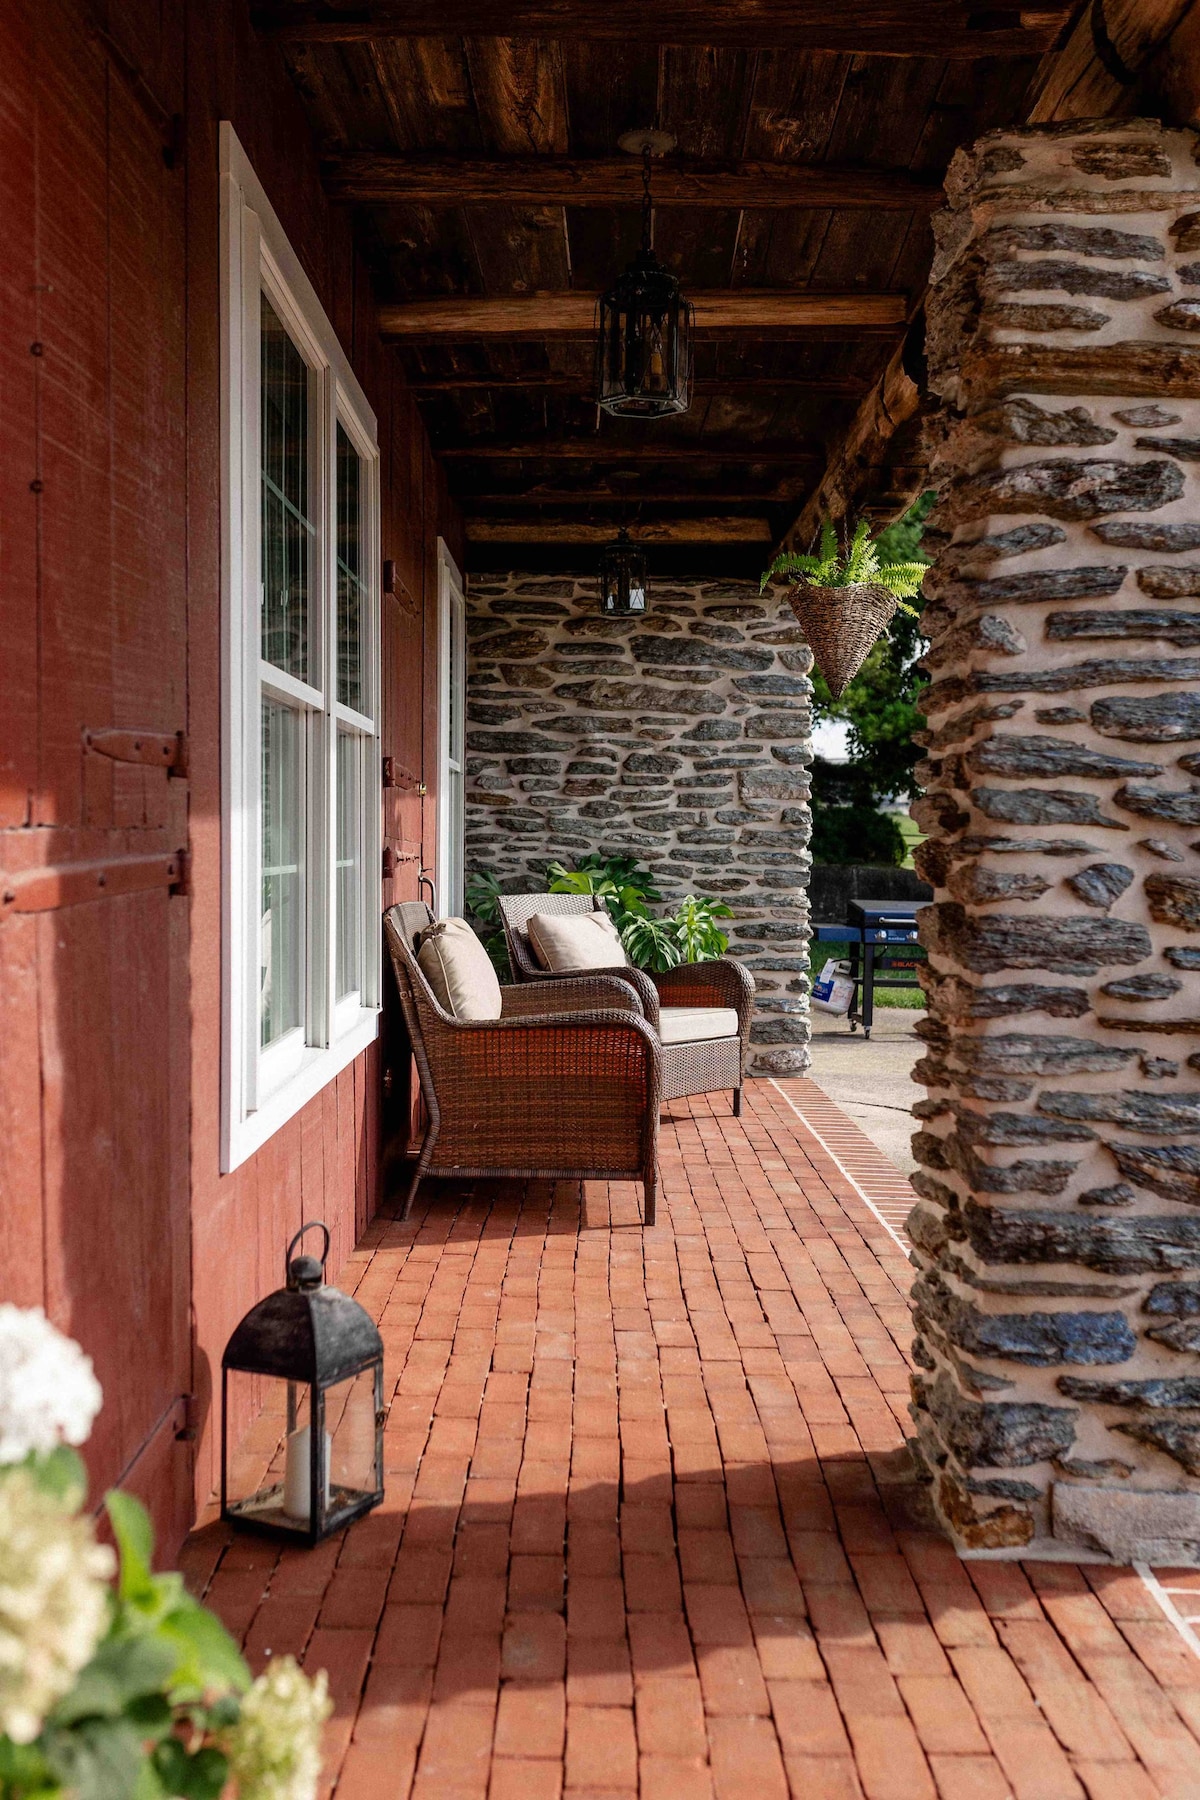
643	323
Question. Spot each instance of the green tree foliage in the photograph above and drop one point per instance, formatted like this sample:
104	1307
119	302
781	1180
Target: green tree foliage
881	705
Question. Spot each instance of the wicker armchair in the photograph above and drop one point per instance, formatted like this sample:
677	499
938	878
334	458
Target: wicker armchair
565	1085
702	1066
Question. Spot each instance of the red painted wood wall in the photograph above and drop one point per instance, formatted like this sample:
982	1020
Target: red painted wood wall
113	1213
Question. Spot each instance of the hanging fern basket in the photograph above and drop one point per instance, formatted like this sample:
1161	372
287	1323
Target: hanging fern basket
841	624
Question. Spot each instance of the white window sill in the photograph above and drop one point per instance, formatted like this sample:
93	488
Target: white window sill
317	1070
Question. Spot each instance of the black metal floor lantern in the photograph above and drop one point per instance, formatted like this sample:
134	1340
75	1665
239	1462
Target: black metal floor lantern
306	1364
623	588
643	323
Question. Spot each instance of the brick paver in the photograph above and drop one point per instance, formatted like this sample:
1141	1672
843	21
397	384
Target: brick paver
648	1529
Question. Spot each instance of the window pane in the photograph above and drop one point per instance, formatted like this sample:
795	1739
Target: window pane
281	980
456	677
351	587
349	864
287	528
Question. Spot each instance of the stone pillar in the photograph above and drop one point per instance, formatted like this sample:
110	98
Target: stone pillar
1057	1233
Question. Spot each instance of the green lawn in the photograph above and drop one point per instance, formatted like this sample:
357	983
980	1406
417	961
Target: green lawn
911	835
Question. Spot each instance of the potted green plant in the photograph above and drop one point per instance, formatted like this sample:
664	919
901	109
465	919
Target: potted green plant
689	935
843	597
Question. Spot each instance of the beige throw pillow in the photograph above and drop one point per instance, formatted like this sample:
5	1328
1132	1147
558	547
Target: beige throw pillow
459	970
576	941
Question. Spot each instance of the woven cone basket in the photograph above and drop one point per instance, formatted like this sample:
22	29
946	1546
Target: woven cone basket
841	624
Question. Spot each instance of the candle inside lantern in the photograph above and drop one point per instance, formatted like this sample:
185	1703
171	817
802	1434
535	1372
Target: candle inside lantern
297	1475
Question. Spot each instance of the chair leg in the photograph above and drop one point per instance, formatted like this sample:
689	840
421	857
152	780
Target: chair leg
651	1208
737	1102
423	1162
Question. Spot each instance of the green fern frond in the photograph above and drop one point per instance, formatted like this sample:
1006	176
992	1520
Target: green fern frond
790	562
854	561
902	579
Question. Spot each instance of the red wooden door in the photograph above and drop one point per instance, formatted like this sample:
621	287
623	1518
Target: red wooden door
93	923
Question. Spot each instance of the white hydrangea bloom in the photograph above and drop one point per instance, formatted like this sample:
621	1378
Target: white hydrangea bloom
49	1394
275	1750
53	1601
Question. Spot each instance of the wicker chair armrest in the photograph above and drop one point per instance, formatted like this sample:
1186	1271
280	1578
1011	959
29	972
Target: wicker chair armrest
509	1049
554	1020
574	994
637	979
721	982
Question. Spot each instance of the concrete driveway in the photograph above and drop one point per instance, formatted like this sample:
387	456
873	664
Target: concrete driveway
872	1082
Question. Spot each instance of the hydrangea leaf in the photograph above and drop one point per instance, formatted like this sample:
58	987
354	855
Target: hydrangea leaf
121	1671
208	1658
135	1545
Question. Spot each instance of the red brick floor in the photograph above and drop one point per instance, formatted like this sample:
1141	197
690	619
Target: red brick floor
645	1531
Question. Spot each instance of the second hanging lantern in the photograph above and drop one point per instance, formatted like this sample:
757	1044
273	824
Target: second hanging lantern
622	577
643	323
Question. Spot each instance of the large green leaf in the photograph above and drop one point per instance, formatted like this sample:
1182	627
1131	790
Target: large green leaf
207	1656
121	1671
135	1545
100	1759
24	1771
190	1777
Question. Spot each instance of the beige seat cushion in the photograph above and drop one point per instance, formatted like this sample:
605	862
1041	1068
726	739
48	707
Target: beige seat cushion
693	1024
576	941
459	970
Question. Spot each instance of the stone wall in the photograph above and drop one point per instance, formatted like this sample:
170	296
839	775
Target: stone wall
682	736
1057	1233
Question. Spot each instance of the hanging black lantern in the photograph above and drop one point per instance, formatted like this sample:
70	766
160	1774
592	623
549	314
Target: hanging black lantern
622	577
306	1364
643	323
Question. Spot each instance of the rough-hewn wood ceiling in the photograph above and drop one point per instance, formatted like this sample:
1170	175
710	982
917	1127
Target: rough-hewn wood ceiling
485	168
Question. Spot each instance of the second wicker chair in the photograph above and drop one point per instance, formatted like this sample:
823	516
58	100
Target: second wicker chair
691	1062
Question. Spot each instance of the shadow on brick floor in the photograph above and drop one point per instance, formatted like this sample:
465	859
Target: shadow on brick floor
650	1528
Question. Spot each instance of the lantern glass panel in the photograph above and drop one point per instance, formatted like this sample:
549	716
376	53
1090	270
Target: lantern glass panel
268	1470
350	1428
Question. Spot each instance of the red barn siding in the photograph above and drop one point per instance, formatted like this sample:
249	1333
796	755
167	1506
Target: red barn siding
113	1212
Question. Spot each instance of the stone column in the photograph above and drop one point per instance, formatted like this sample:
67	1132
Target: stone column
1057	1232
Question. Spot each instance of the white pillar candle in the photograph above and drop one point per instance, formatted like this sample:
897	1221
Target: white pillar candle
297	1475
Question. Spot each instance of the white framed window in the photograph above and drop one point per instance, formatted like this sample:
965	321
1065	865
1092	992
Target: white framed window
300	794
452	707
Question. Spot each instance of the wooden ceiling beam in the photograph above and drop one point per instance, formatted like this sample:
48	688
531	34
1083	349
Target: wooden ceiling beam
373	178
1148	40
860	459
652	531
606	450
592	496
1126	58
938	28
726	309
584	382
